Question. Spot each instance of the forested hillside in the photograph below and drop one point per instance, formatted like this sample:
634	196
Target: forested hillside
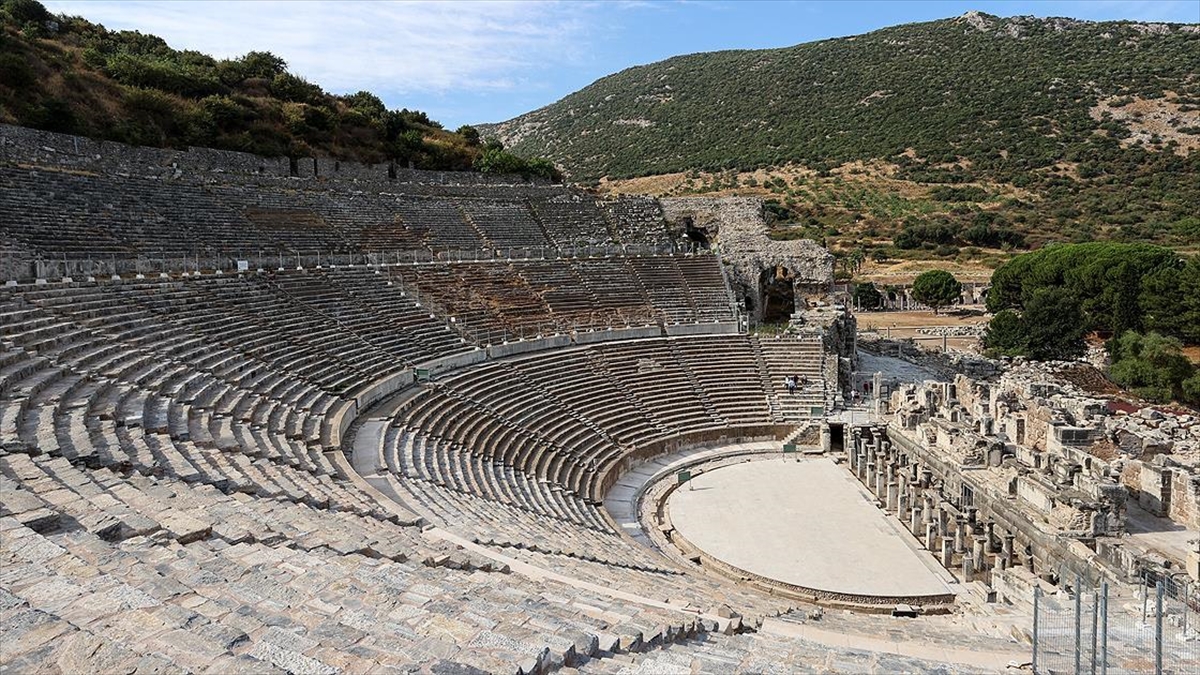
1052	129
66	74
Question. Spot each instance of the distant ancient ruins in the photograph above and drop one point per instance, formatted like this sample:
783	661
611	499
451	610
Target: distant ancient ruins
271	415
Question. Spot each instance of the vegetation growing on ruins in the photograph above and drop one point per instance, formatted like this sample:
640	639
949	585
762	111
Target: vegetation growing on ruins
922	140
1153	367
936	288
65	74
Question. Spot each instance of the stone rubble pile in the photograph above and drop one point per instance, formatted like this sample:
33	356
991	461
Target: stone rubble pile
1138	434
973	330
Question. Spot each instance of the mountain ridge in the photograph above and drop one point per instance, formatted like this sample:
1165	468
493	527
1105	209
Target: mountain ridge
974	132
588	132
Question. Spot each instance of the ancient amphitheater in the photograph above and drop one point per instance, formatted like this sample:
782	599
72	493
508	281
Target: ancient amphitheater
267	416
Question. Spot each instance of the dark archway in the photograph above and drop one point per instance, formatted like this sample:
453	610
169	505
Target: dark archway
697	237
778	294
837	437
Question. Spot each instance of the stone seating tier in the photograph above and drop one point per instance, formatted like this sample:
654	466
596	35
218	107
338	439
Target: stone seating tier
55	214
537	433
170	487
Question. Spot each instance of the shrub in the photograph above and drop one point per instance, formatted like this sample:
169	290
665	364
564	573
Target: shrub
15	71
969	193
1152	366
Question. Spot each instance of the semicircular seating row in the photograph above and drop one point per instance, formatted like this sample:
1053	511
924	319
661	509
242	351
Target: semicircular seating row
170	500
76	214
511	453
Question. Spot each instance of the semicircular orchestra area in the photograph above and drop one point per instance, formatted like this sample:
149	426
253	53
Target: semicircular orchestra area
805	528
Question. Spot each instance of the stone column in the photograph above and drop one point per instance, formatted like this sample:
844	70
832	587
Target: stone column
947	554
893	496
960	544
915	521
977	549
990	533
968	567
1006	550
930	536
902	505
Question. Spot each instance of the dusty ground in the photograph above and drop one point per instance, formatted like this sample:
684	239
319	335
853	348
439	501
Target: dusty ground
905	271
922	318
902	325
1193	353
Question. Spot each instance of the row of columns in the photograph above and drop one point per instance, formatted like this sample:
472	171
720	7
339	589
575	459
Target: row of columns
908	491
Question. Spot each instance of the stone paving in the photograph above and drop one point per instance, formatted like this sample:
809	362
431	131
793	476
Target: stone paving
807	523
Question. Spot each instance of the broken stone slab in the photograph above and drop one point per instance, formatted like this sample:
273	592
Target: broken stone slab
726	612
607	643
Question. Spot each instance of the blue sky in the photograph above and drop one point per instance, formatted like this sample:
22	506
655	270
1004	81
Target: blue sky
467	62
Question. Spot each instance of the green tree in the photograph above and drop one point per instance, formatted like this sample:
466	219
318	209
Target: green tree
366	103
1005	334
936	288
492	160
1104	277
1170	300
867	296
24	11
470	134
1054	327
1191	389
263	65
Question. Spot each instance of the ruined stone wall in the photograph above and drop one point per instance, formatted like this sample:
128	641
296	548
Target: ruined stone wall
20	145
1185	499
1164	491
737	227
1052	465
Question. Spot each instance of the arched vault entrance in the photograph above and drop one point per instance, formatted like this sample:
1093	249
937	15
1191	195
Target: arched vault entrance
777	291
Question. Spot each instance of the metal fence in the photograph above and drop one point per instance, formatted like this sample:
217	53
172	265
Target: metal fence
1088	629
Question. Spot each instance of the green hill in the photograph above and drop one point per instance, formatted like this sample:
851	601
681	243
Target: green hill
1094	125
66	74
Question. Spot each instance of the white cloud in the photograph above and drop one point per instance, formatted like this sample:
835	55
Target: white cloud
395	47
